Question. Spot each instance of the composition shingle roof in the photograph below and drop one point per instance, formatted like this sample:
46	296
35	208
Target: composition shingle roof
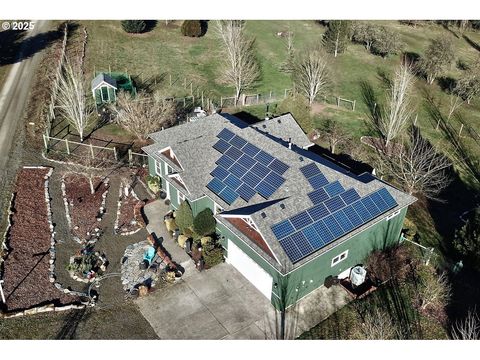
192	145
103	78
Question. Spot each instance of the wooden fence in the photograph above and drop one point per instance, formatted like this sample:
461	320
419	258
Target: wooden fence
68	143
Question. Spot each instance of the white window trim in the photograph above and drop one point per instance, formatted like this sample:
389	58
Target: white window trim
391	216
339	258
158	168
180	196
216	208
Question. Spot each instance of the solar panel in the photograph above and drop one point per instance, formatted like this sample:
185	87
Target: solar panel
378	200
349	196
246	161
302	243
342	219
333	226
238	170
318	211
274	179
318	196
313	237
334	203
370	205
264	158
232	181
251	179
260	170
219	172
238	141
250	149
278	166
334	188
225	161
234	153
317	181
215	185
301	220
387	197
283	229
291	249
221	146
265	189
362	211
322	230
225	134
246	192
310	170
228	195
353	216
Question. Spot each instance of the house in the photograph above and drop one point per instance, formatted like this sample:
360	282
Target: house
288	218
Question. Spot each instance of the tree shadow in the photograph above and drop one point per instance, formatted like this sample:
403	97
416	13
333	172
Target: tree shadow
247	117
447	83
149	25
204	27
446	27
374	108
15	46
472	43
69	328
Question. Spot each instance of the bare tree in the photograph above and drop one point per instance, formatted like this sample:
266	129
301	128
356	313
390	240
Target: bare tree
417	166
311	73
288	65
376	325
468	328
333	133
72	98
91	168
454	103
241	66
399	110
142	114
435	291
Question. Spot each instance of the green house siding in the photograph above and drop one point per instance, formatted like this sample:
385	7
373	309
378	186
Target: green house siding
202	204
312	275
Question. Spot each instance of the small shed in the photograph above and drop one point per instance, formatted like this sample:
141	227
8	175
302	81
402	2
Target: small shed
104	89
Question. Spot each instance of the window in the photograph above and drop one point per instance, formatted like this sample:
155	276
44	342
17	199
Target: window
216	209
105	95
181	197
158	168
339	258
392	215
169	170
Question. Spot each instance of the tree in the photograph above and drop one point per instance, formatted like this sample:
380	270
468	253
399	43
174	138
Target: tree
333	133
467	329
434	291
91	168
310	74
439	54
376	325
288	65
366	33
133	26
72	98
184	216
193	28
386	42
337	36
241	68
298	106
204	223
417	166
467	239
142	114
468	86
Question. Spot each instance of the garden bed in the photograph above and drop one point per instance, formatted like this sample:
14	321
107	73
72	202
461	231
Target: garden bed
129	217
26	269
84	209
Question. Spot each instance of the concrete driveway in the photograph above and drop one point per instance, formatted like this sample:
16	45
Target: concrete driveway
218	303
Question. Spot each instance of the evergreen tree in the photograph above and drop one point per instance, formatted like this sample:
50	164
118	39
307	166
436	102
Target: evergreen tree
467	239
184	216
204	223
337	36
133	26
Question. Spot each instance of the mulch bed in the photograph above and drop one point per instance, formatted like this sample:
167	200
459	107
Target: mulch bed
130	216
84	207
26	267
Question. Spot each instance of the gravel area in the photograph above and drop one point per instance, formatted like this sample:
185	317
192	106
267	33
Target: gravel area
26	267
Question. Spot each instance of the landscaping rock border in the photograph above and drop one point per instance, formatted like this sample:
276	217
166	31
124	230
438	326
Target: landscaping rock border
116	229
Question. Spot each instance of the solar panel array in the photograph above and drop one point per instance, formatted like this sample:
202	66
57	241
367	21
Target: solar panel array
335	212
244	170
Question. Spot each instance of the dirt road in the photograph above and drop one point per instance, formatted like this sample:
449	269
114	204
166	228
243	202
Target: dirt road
14	96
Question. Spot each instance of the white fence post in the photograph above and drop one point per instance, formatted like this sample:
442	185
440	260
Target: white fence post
68	148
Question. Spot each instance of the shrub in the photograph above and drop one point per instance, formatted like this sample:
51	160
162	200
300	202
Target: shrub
133	26
389	263
467	239
212	254
204	223
154	183
193	28
184	216
438	56
387	42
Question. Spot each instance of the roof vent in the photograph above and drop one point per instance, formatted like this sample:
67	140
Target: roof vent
263	215
279	121
282	206
264	126
300	158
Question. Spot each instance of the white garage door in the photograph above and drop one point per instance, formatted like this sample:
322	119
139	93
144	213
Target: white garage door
250	269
